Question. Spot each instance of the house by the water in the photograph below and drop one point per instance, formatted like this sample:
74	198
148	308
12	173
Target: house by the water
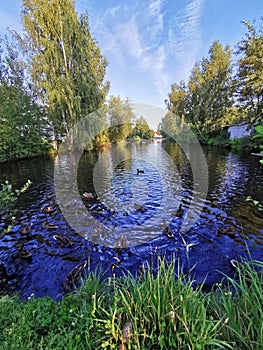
239	130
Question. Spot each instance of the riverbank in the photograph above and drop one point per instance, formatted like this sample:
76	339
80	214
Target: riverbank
151	312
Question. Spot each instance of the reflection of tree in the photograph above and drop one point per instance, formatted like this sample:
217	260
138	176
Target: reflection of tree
229	180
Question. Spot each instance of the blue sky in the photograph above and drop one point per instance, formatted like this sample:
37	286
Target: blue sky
151	44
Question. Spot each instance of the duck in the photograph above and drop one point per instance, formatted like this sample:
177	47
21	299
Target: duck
63	241
88	195
47	209
140	171
74	275
167	231
25	229
139	207
228	230
23	253
180	211
48	225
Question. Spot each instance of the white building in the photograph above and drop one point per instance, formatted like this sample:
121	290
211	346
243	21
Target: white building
240	130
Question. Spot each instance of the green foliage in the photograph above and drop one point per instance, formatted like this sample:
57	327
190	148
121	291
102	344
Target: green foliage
142	130
249	79
65	62
257	138
219	138
120	116
248	144
206	99
21	125
241	306
178	99
22	120
8	198
165	313
243	144
174	128
209	93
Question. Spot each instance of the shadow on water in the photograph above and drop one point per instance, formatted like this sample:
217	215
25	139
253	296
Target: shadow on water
120	222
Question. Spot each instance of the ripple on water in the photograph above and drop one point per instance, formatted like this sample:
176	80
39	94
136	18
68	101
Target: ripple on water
111	215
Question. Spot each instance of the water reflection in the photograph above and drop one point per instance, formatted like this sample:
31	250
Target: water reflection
128	210
166	182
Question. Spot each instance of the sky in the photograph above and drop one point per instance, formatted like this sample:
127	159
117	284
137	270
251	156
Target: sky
151	44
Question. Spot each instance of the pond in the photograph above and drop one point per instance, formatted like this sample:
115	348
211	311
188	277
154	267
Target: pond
126	218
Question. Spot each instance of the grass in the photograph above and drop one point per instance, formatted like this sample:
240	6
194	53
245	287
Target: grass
155	311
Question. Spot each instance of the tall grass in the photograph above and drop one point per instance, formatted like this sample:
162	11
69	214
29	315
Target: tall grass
166	313
242	304
156	311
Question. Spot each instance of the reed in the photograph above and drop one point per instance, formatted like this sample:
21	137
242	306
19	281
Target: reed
159	310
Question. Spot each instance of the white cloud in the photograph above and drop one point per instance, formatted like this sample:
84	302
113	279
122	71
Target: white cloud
159	40
188	38
155	11
130	39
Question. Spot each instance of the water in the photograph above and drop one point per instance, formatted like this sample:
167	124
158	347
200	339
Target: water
100	226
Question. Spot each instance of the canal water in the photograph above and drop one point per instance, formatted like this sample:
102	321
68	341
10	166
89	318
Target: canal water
129	218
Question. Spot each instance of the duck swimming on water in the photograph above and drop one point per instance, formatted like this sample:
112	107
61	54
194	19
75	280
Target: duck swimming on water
180	211
48	224
25	229
47	209
24	254
139	207
167	230
74	276
140	171
63	241
88	195
228	230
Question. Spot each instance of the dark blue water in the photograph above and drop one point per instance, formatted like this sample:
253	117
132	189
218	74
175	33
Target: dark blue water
112	234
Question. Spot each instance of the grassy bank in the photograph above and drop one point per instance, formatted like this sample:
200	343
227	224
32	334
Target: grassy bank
160	312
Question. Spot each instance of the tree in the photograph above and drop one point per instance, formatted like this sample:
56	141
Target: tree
205	100
209	90
120	116
66	66
142	129
178	99
22	121
249	79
